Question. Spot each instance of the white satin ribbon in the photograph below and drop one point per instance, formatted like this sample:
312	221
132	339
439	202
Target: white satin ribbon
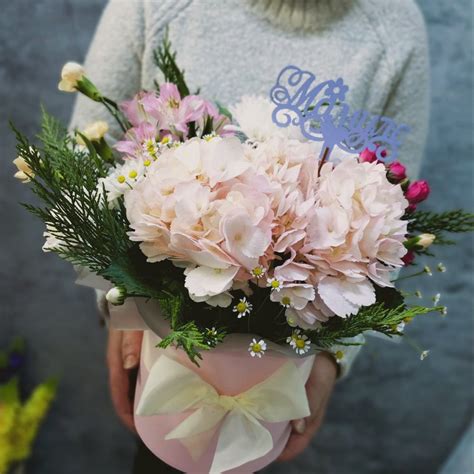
173	388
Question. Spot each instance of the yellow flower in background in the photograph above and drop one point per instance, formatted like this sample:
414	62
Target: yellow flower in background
94	132
24	173
70	75
19	423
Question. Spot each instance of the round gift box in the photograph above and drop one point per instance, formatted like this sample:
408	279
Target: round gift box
231	370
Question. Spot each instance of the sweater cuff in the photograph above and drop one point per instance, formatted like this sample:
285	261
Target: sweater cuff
345	355
102	306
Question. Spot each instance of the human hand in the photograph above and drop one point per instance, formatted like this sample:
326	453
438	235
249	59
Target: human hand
123	354
318	388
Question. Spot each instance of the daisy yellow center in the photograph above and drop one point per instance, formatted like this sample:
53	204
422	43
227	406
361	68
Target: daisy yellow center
300	343
256	347
257	271
339	355
121	179
147	162
242	307
407	320
275	284
286	301
165	140
133	174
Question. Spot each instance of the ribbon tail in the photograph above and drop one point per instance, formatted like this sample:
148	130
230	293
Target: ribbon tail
242	439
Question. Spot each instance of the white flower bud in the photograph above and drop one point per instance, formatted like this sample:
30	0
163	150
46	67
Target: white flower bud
70	75
94	132
425	240
424	354
24	173
116	296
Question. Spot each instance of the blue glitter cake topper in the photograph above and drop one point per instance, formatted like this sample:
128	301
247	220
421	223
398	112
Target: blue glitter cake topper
323	116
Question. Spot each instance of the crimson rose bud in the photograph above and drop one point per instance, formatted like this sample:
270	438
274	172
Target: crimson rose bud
367	156
408	257
397	171
417	191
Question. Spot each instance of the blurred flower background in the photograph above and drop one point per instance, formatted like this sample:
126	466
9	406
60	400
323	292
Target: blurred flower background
395	414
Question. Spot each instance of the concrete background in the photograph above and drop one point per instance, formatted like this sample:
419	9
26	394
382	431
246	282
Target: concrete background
394	415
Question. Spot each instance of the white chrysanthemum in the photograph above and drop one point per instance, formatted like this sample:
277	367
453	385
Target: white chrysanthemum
253	115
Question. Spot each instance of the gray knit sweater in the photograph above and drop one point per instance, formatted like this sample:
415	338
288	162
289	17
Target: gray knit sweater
229	48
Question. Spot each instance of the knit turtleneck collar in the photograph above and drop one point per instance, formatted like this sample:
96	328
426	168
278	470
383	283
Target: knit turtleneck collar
300	14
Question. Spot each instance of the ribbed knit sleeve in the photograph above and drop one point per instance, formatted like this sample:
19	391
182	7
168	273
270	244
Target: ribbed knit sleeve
114	60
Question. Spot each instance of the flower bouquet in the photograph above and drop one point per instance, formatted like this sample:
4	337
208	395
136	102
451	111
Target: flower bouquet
244	241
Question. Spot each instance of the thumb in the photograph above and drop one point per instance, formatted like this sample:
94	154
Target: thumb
299	426
131	346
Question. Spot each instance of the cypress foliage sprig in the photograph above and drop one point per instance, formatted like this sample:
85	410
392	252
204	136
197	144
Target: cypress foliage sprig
377	317
74	209
165	59
439	223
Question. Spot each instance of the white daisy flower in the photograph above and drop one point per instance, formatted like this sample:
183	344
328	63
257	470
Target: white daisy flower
299	342
257	348
122	178
424	355
436	298
418	294
258	272
274	283
427	270
444	311
400	326
440	267
339	356
294	295
150	149
242	308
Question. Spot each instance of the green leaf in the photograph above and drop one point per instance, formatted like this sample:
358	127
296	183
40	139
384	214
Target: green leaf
189	338
165	59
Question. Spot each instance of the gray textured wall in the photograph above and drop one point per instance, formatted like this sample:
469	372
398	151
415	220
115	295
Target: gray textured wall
394	415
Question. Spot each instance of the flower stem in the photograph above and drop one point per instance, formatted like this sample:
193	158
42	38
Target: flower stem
409	276
112	107
323	160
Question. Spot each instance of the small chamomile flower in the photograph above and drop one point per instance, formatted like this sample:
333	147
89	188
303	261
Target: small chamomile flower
150	149
286	302
444	311
427	270
400	326
257	348
299	342
274	283
211	335
242	308
436	298
424	354
441	267
258	272
208	137
339	356
418	294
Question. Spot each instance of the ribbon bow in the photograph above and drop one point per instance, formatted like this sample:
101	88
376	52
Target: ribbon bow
173	388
